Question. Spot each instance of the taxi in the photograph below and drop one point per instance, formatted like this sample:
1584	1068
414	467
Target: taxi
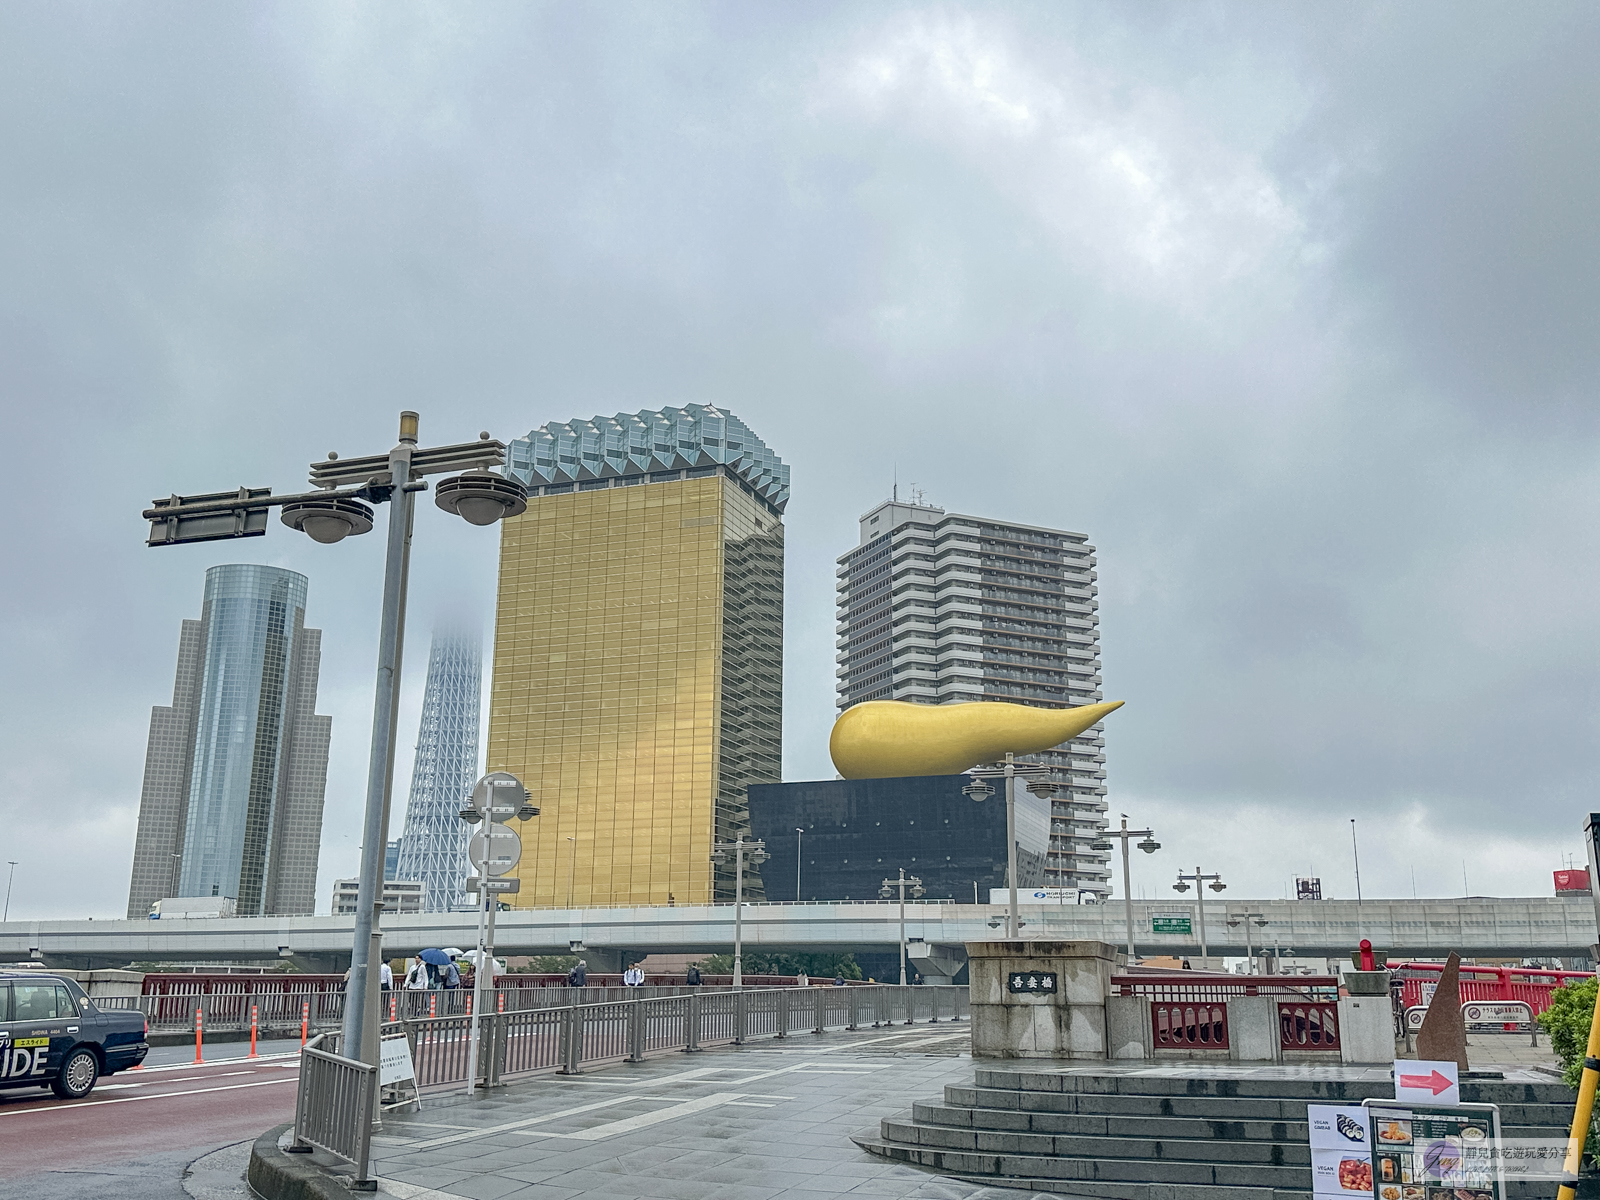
52	1035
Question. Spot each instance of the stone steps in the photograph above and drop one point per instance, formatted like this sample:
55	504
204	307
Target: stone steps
1205	1126
1226	1109
1163	1135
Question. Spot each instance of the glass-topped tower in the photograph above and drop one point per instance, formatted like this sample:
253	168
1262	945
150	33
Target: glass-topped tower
433	850
236	768
638	653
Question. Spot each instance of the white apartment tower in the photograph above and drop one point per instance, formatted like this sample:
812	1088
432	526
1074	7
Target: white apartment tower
940	608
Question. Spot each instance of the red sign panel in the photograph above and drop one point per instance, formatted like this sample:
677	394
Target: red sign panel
1572	881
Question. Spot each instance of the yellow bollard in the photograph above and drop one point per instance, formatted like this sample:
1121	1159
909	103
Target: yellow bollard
1584	1110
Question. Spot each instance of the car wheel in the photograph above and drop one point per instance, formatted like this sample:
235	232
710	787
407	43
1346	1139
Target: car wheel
78	1075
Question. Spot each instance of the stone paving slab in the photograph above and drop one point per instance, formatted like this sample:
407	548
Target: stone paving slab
757	1122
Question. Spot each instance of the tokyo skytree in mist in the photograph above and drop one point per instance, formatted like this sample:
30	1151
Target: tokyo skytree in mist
433	848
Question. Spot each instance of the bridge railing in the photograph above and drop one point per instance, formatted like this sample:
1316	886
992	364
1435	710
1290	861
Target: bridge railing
283	1012
526	1041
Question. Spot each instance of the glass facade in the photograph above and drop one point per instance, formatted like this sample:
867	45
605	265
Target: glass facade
251	614
638	665
859	832
236	768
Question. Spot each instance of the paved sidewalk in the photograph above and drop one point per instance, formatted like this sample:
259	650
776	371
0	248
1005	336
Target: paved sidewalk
768	1119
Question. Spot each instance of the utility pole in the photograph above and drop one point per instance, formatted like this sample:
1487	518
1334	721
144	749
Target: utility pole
9	877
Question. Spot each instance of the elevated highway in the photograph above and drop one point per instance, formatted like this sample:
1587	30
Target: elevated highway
1475	927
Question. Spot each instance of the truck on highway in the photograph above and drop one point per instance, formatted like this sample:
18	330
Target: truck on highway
188	907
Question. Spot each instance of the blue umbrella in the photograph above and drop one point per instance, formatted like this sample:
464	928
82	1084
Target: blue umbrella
437	957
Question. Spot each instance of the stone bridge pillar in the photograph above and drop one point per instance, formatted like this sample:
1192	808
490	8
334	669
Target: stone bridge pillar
1040	999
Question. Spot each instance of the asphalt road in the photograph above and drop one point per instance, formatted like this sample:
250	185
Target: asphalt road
140	1133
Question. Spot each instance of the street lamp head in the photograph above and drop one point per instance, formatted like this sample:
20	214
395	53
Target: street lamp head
1180	886
1218	886
978	790
885	892
1043	787
757	857
1149	846
719	857
470	815
481	498
527	812
917	890
328	521
1102	844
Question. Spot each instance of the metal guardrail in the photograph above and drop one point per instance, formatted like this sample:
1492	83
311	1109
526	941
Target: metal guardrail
334	1107
321	1011
567	1038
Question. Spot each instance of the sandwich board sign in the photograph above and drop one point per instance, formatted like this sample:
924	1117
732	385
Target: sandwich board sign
1341	1151
1429	1150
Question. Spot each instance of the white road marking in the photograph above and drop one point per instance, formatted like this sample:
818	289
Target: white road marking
515	1125
230	1087
642	1121
218	1062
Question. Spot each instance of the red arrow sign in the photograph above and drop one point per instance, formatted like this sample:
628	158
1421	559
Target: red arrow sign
1434	1082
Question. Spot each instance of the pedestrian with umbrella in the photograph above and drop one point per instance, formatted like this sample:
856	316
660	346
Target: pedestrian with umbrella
434	958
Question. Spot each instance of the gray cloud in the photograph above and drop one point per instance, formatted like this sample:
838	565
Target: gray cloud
1292	312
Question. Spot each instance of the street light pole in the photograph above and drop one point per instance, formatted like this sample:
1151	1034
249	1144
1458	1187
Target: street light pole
1356	851
341	507
1247	917
1149	846
1199	879
798	834
757	855
360	1025
572	866
902	883
980	789
9	877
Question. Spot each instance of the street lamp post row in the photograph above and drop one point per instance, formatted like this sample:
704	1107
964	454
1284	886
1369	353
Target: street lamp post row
888	889
1198	878
342	507
754	852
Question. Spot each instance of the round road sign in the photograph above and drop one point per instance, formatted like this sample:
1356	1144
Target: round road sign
495	849
499	795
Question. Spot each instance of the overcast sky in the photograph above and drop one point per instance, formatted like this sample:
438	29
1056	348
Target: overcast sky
1291	309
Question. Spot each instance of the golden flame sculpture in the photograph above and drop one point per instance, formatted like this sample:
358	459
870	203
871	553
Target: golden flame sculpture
881	739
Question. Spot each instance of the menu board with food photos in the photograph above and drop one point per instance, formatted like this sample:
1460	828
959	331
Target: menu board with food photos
1434	1152
1341	1150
